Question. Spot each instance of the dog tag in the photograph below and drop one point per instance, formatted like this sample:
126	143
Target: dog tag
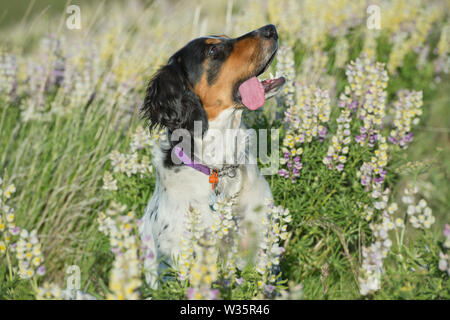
214	178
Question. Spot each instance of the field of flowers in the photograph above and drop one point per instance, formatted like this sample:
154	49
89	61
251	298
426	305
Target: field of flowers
360	208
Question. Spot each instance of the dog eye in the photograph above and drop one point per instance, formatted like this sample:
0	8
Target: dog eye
212	51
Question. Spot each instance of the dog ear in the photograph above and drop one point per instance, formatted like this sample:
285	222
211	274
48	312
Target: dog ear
170	102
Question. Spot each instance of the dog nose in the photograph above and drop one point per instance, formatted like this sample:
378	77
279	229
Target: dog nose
269	32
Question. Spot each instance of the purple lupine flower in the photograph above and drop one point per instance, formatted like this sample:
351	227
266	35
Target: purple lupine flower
302	138
213	294
15	231
322	132
379	180
116	251
365	181
41	270
409	137
190	293
392	140
269	288
447	230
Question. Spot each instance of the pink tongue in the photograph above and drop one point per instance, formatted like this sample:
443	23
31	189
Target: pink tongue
252	93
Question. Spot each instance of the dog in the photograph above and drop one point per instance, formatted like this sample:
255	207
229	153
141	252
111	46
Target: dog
206	84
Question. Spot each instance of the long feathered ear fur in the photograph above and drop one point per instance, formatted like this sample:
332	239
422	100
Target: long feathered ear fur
170	103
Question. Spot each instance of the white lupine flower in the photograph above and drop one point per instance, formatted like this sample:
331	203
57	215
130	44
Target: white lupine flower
420	215
286	67
407	110
109	183
130	253
392	208
411	210
269	249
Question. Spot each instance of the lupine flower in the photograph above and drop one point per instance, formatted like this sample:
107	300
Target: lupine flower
28	254
199	255
8	75
286	67
444	262
294	292
8	191
33	106
447	236
51	51
367	81
275	231
49	292
125	275
374	254
204	270
44	75
419	215
373	173
189	242
305	121
109	183
405	41
441	64
444	258
314	70
338	150
142	139
365	95
134	163
407	110
341	54
199	259
129	163
370	43
310	113
27	248
225	229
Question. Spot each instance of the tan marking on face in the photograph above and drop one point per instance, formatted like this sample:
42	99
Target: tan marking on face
212	41
240	64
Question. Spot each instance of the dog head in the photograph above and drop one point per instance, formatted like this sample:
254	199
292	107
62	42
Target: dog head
210	75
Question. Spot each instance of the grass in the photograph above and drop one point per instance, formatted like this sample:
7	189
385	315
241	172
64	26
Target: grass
57	165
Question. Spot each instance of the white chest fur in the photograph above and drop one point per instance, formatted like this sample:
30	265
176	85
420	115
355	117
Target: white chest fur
180	188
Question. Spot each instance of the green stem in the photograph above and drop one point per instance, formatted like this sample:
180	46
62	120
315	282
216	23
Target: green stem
8	259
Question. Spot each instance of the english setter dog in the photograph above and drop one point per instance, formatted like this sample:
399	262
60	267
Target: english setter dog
203	89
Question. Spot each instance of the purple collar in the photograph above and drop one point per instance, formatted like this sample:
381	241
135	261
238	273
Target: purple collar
190	163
